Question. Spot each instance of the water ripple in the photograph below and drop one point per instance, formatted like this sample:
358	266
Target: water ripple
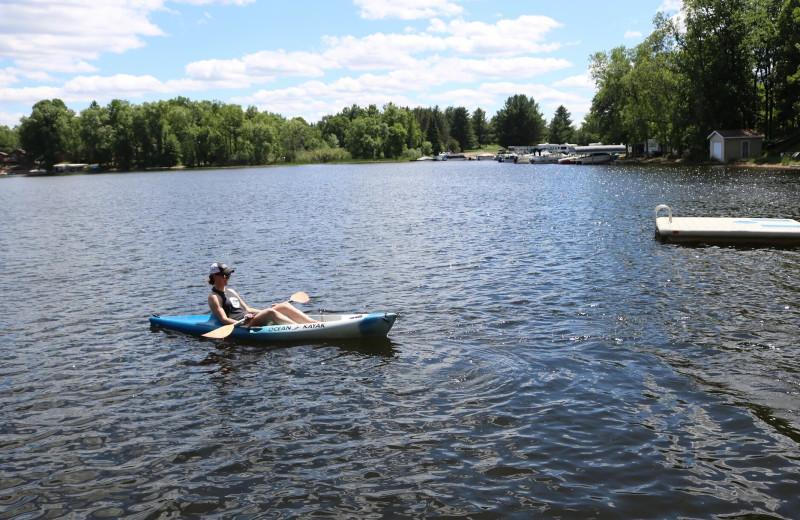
552	359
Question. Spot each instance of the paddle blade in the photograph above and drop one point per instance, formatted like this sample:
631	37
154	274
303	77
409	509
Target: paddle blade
299	297
222	332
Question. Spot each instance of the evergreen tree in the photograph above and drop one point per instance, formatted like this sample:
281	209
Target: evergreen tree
561	129
480	127
460	127
519	122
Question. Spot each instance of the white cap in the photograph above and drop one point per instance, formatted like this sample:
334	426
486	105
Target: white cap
219	267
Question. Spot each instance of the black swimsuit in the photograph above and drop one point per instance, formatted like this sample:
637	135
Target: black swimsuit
230	304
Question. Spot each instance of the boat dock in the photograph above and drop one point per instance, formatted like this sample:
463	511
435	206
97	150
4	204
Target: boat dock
730	231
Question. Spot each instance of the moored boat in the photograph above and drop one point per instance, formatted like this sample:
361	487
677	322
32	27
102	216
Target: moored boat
598	153
568	159
329	326
523	159
595	158
546	158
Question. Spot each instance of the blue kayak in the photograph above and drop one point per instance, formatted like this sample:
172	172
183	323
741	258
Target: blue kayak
330	326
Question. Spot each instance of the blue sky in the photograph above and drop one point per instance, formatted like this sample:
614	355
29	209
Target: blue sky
311	58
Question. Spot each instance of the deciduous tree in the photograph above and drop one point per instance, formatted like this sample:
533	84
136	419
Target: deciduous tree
48	132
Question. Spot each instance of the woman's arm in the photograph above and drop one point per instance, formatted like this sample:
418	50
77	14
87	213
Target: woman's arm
217	310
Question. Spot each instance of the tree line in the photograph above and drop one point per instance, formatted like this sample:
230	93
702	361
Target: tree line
180	131
728	64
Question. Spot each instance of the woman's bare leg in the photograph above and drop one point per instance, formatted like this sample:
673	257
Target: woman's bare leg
293	313
268	316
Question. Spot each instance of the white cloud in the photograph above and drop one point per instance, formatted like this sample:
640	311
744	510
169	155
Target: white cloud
669	6
222	2
495	95
59	36
470	70
407	9
633	35
583	81
403	53
8	77
525	34
379	51
260	67
28	95
464	97
119	85
10	119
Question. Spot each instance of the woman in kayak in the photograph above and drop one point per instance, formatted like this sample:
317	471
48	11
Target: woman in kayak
229	307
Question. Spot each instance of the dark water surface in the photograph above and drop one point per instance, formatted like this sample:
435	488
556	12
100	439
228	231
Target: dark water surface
552	359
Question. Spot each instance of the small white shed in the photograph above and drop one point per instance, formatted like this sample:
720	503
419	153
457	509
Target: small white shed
730	145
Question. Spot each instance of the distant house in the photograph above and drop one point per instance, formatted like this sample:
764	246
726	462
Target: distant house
730	145
15	157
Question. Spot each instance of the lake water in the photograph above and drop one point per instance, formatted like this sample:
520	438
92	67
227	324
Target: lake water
552	359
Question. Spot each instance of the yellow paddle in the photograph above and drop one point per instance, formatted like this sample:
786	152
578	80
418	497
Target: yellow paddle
225	330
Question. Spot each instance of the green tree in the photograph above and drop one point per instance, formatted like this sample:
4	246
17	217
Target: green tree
395	141
336	126
297	136
433	136
588	132
211	148
96	133
519	122
231	119
172	151
120	119
609	72
363	139
414	137
764	46
181	125
561	129
787	68
260	134
48	132
715	61
480	127
461	127
9	139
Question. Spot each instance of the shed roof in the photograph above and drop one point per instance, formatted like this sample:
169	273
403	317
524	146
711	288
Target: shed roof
736	134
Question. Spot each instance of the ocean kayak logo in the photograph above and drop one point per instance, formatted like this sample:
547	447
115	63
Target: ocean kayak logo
235	303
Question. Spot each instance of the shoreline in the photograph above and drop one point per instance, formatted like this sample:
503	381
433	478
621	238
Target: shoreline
660	161
471	156
732	164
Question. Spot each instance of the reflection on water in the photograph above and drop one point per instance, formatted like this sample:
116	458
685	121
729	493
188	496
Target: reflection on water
553	359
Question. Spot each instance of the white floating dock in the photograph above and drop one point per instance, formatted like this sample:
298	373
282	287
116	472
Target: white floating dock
755	231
